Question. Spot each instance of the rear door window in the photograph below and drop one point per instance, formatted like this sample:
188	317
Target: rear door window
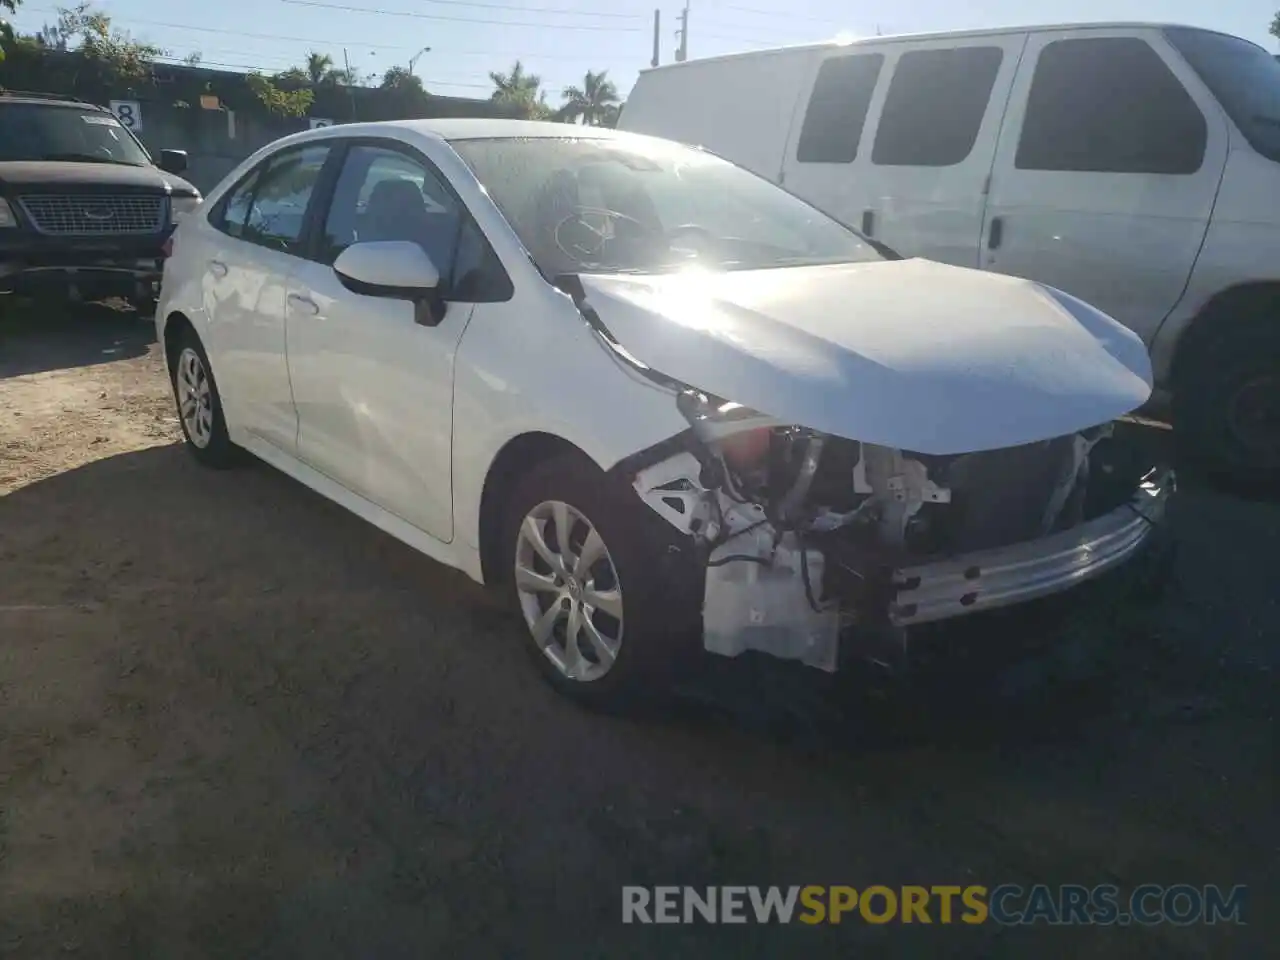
837	109
935	105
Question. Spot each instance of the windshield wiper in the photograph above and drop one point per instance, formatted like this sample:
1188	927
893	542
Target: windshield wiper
88	158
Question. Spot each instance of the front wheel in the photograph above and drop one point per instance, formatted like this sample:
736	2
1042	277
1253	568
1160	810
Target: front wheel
602	620
1227	407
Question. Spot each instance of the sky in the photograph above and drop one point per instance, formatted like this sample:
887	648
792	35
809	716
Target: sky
560	40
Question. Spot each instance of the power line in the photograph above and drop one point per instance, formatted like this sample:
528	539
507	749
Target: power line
778	13
320	43
434	17
518	9
259	68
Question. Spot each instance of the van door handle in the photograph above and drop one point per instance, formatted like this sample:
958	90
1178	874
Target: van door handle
995	233
305	304
218	268
868	223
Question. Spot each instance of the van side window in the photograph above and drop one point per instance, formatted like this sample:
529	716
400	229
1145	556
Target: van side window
935	106
1109	105
838	108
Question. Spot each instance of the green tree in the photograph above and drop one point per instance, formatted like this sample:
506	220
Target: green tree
283	103
295	76
114	51
403	86
521	92
404	92
319	66
610	115
341	77
1275	26
6	31
593	102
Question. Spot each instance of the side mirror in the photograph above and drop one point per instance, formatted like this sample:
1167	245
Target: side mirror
395	269
173	161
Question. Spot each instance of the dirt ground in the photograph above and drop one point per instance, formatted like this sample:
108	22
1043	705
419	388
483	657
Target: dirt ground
236	721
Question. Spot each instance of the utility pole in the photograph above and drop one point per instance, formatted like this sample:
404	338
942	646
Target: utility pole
657	33
351	91
682	52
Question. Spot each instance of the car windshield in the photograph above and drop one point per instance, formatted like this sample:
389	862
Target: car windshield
1244	78
645	206
36	131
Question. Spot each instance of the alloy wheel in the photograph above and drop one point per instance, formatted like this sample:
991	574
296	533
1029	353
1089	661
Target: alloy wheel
569	591
195	398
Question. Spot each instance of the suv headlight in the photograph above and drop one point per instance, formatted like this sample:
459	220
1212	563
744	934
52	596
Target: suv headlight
179	207
7	219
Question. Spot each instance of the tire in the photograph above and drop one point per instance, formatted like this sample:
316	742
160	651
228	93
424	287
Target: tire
657	596
1226	408
199	406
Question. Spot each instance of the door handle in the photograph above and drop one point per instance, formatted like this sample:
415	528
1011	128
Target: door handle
868	223
995	233
218	268
305	304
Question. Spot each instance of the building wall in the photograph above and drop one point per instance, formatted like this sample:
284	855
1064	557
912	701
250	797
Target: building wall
215	140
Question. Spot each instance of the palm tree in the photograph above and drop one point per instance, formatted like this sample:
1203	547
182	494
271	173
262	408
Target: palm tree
611	115
520	91
516	87
319	66
593	101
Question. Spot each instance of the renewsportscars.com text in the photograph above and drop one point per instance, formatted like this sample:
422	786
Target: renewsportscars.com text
1007	904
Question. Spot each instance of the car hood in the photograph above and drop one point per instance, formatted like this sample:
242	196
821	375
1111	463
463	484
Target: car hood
909	354
46	175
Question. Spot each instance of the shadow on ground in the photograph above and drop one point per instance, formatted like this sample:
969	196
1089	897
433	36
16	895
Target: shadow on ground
36	338
240	722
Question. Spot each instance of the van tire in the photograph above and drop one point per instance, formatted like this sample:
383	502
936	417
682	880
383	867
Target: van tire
1217	400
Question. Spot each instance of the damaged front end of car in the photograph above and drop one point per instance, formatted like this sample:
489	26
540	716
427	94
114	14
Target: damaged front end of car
940	442
816	547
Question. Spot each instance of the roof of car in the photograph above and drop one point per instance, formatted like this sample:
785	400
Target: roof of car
49	99
483	128
799	48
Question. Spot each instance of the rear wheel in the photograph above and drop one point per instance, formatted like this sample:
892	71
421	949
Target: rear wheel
1227	406
199	406
602	620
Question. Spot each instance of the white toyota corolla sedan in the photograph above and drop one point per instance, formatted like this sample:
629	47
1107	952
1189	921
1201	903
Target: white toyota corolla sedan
665	404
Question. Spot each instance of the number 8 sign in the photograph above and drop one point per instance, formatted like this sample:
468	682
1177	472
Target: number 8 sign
129	113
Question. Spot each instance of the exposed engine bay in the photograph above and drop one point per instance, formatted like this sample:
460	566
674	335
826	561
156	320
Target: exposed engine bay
807	536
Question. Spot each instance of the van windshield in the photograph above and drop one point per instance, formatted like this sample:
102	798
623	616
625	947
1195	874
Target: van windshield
1244	78
634	205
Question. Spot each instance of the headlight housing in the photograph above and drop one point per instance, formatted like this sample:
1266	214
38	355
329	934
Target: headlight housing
179	207
7	218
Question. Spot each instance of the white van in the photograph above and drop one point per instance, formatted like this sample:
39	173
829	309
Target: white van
1135	166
